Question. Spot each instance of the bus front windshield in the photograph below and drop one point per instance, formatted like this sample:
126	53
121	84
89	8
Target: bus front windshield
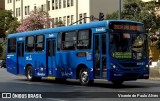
128	46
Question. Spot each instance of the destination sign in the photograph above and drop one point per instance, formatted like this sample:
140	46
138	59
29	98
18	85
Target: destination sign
126	26
122	54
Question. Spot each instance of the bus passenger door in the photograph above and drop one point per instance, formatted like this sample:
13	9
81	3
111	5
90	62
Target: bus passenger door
20	58
100	55
51	52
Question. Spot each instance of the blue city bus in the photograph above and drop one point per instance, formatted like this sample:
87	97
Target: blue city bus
115	50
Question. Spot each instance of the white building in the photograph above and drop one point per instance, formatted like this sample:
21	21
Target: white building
68	11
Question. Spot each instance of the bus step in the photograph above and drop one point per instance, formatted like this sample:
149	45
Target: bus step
104	74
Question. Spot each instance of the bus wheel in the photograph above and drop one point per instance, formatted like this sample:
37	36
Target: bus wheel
29	73
84	77
117	83
30	76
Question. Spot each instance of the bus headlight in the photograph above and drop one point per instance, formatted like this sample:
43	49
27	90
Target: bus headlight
41	68
114	66
147	66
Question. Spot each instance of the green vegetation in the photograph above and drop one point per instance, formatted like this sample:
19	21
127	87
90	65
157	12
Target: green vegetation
6	21
8	24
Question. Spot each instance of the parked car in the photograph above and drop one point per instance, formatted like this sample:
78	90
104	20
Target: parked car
3	64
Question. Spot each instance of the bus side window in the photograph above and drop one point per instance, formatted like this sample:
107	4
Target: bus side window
59	42
12	45
69	40
39	43
84	39
62	46
30	44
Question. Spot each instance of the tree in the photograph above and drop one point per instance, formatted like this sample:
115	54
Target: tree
114	15
6	19
13	26
140	11
2	51
59	23
36	20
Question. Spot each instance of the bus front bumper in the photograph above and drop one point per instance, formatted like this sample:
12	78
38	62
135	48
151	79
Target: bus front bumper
125	76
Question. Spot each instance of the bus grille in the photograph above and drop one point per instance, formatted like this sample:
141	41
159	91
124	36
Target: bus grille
129	64
130	67
131	74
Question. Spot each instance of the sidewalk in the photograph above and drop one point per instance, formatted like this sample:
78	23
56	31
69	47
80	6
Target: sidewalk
156	78
154	73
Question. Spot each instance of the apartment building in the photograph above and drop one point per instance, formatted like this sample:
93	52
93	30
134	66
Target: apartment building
67	11
2	4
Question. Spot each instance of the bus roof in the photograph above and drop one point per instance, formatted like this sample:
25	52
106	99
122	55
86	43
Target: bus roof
68	28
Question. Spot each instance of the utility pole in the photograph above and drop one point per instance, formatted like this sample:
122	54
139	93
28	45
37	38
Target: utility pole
119	10
47	6
14	8
77	11
47	13
21	9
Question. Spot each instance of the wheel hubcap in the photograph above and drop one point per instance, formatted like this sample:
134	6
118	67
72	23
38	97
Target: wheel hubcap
29	74
84	77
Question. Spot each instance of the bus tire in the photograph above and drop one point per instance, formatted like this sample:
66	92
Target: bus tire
29	73
84	77
117	83
30	76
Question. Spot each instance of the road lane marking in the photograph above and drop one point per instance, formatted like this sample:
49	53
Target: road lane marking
122	91
55	99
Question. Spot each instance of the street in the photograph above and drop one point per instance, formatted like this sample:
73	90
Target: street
12	83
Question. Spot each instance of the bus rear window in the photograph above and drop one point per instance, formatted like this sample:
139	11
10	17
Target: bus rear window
84	39
12	45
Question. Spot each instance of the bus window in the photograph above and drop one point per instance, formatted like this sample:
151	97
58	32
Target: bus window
120	42
84	39
30	44
59	42
139	47
12	45
104	44
69	40
40	43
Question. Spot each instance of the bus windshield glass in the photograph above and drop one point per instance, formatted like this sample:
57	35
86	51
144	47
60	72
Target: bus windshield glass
128	45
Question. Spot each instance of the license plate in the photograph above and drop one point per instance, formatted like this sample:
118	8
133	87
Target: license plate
51	77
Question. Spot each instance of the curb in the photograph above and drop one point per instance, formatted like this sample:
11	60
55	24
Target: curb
156	78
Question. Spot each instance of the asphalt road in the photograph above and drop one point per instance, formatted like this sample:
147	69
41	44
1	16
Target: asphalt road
12	83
